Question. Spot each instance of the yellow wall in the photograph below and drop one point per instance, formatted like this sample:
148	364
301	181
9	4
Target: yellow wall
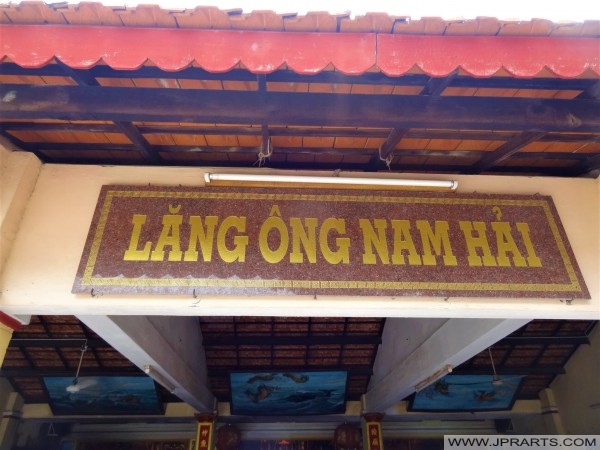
577	392
18	176
5	336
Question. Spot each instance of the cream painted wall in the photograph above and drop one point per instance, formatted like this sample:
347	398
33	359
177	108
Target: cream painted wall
18	176
41	269
577	392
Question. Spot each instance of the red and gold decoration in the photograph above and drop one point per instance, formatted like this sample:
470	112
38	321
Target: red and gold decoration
373	429
9	322
346	437
205	431
228	437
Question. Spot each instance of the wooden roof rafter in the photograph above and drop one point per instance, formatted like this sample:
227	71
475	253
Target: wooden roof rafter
314	109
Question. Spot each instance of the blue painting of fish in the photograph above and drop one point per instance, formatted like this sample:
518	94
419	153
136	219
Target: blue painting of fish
288	393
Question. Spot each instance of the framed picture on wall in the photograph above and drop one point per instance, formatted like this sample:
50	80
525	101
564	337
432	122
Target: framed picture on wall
283	393
103	395
467	393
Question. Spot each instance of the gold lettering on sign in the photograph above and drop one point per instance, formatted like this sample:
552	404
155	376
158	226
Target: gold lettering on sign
238	252
532	258
374	241
437	238
304	239
341	253
275	225
478	241
169	236
300	240
403	242
203	234
435	242
304	235
505	243
132	253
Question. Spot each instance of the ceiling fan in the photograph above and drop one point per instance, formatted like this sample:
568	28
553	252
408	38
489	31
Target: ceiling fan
496	380
77	384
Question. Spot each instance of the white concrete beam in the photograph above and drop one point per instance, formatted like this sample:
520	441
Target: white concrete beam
171	346
452	342
39	274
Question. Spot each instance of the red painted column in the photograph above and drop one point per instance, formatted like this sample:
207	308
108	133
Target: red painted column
12	408
205	433
372	431
8	324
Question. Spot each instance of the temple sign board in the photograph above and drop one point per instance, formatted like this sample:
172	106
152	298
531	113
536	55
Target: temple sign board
257	241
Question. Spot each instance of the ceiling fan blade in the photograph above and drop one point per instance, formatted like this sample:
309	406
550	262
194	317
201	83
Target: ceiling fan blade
79	384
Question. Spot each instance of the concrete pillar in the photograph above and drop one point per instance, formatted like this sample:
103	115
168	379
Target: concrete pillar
550	413
169	349
577	392
416	352
12	405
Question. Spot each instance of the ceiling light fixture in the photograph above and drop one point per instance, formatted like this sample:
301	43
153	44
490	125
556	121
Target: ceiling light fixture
265	180
160	378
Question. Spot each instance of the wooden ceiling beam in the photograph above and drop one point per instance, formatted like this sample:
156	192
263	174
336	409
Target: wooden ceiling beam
511	370
27	146
61	372
308	109
506	150
266	148
435	86
353	370
139	142
577	158
261	81
344	166
587	167
537	340
591	92
271	341
386	150
325	76
296	131
58	127
80	76
57	343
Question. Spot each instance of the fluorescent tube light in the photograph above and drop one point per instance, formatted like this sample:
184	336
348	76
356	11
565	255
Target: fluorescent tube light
434	377
267	179
160	378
